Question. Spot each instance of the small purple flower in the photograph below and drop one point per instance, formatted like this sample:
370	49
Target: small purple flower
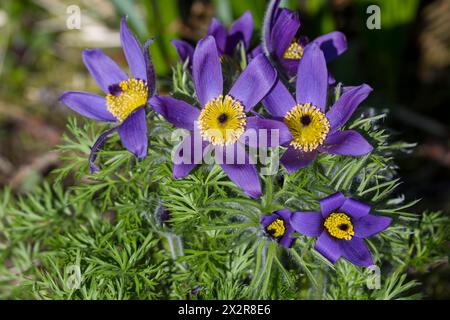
164	215
280	39
223	120
278	226
126	97
311	129
240	31
341	227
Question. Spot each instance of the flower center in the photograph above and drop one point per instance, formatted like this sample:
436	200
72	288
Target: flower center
339	226
276	229
308	125
294	51
222	121
126	97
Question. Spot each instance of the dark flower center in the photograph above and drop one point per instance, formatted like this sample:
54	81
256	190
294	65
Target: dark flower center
308	125
276	229
339	225
305	120
115	89
223	118
125	97
222	121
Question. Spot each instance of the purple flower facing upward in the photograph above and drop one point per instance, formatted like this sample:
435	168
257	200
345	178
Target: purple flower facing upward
222	120
341	227
281	40
277	225
312	130
240	32
125	97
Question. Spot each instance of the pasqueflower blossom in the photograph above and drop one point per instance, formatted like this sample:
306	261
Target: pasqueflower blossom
278	226
125	96
222	120
240	32
341	227
282	42
312	130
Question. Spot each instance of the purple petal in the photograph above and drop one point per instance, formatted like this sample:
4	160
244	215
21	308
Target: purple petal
88	104
181	171
346	89
133	133
370	225
196	146
133	52
308	223
185	50
151	75
279	101
290	66
285	214
312	78
245	176
286	240
254	83
347	143
343	109
255	52
331	79
284	30
97	145
356	252
218	31
354	208
241	30
269	21
266	220
104	70
333	44
207	71
177	112
294	159
331	203
264	138
329	247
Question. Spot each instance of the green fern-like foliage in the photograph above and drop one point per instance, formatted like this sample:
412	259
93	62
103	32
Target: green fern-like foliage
131	231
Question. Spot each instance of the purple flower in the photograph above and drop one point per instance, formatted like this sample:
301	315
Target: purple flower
280	39
164	215
312	130
277	225
126	97
241	31
223	120
341	227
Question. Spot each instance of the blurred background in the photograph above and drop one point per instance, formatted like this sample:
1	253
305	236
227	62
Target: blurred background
407	63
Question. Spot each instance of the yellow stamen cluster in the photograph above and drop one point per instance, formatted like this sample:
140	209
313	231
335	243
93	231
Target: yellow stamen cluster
339	226
276	228
133	94
308	125
294	51
222	121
